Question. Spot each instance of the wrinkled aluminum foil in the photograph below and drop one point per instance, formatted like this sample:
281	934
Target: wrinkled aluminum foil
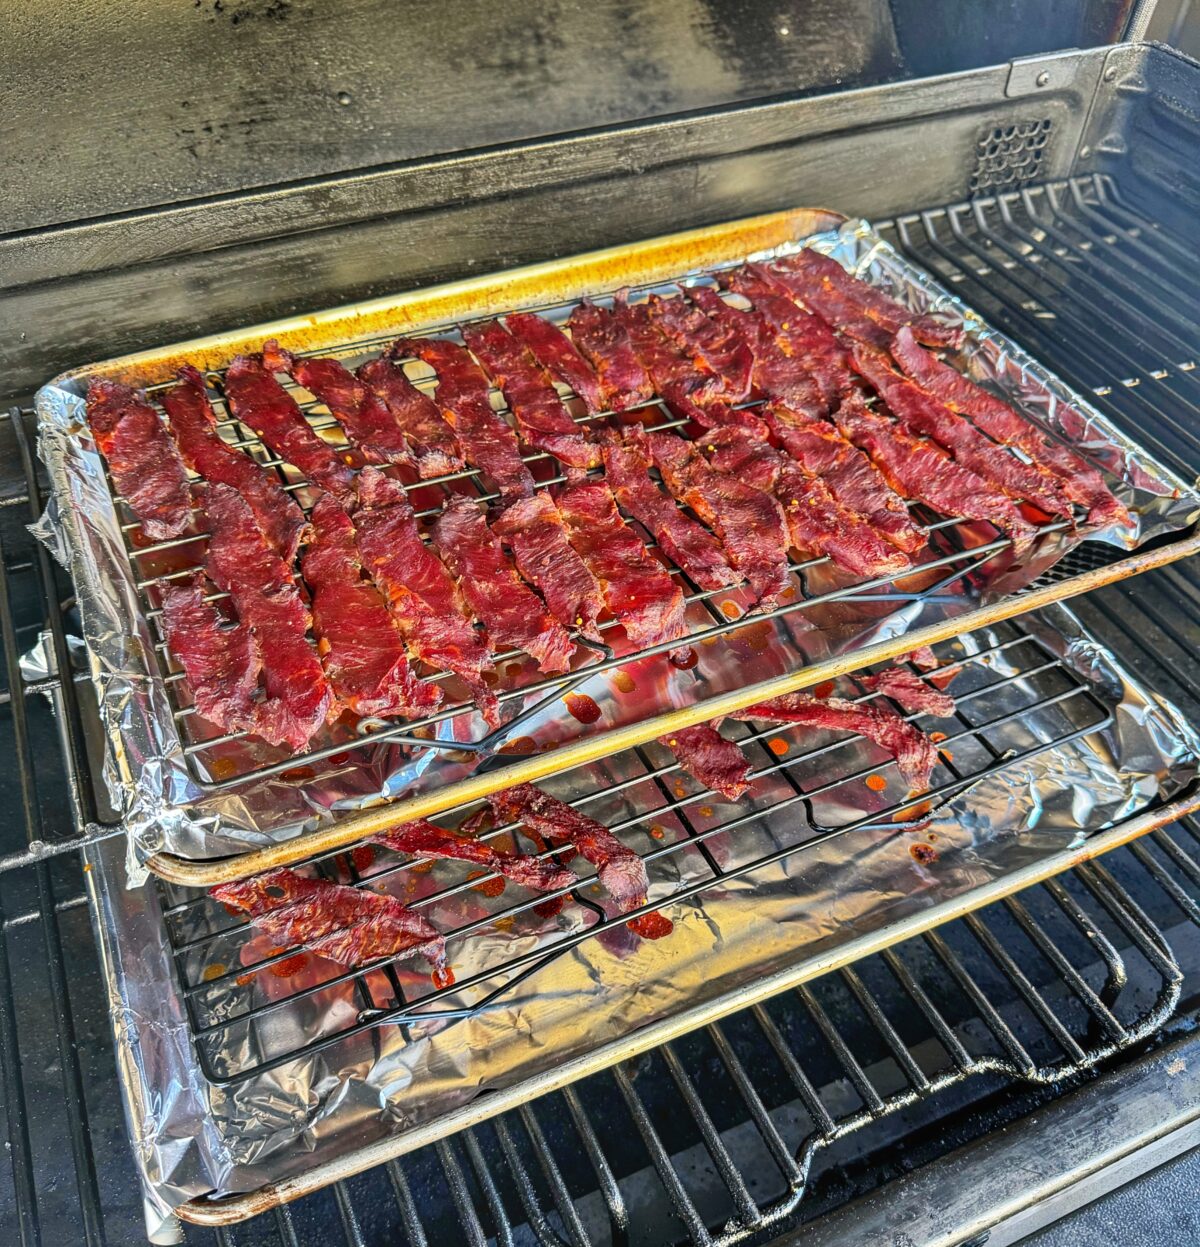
167	805
192	1137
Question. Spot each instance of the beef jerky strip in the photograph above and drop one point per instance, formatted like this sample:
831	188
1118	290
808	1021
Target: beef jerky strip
618	868
687	392
259	401
264	594
829	289
715	346
220	660
923	414
535	532
816	520
689	545
430	438
558	355
512	613
348	925
915	753
799	334
604	341
1081	482
922	470
194	426
463	397
361	647
366	420
637	590
425	839
542	420
706	755
852	479
422	595
775	374
748	521
910	691
145	466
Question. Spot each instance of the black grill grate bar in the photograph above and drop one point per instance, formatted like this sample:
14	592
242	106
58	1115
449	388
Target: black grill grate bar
1029	993
945	1033
879	1020
871	1098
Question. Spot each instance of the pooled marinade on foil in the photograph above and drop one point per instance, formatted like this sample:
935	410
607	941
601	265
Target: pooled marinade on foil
475	895
791	405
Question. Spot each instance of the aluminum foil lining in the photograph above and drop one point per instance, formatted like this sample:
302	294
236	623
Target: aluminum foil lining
192	1137
167	806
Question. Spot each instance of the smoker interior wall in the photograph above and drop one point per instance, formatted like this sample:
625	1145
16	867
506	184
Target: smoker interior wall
115	107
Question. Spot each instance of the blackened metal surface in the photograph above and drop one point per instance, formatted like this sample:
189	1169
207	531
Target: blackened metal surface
118	107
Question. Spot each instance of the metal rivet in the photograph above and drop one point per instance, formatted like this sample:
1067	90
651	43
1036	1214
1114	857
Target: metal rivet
1043	78
1110	73
1084	152
344	98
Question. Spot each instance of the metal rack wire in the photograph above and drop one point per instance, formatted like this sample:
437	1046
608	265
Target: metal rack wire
720	1137
1016	700
954	552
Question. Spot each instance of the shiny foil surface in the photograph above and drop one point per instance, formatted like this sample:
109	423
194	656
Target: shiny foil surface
1044	683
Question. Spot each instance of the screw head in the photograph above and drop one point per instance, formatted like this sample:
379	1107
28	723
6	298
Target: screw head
1043	78
1110	73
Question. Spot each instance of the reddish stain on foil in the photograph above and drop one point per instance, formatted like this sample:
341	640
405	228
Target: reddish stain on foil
582	707
651	926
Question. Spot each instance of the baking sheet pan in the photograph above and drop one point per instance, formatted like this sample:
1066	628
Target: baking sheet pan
171	810
386	1089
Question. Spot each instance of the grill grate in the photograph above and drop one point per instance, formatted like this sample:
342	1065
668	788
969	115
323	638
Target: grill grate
625	1157
954	551
1014	698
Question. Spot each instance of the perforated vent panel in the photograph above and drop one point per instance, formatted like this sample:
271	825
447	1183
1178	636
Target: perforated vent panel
1009	156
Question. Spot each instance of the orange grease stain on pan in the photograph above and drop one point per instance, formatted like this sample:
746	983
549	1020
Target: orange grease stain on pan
876	783
778	746
651	926
624	682
684	659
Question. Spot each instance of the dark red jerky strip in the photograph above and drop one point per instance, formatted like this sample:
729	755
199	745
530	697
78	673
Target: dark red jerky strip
220	659
637	590
713	346
425	839
909	691
604	341
194	426
422	595
1081	482
687	392
145	466
430	438
852	479
817	521
800	335
923	471
348	925
361	647
813	268
618	868
775	374
265	596
463	397
923	414
748	521
542	420
557	354
915	753
689	545
706	755
512	613
366	420
535	532
260	402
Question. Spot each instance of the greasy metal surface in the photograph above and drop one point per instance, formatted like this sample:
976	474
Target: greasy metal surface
358	826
